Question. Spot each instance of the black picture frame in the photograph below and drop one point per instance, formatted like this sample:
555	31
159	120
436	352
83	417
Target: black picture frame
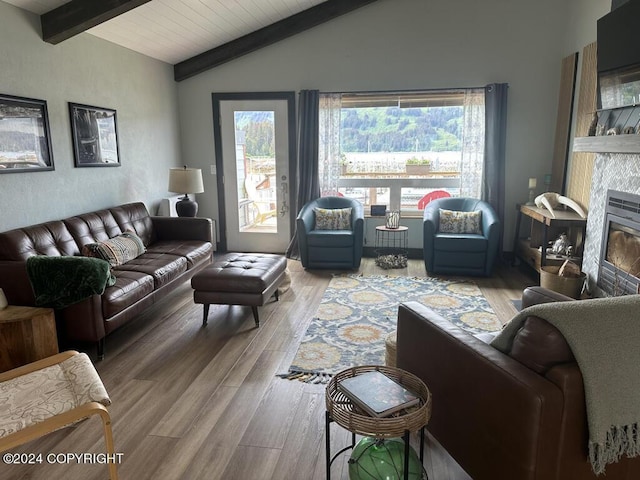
94	131
25	138
378	210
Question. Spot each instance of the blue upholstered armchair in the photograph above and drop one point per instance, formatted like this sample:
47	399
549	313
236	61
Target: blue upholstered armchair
463	242
335	239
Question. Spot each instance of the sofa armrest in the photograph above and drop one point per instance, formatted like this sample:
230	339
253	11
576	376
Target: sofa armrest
536	295
183	228
14	281
490	412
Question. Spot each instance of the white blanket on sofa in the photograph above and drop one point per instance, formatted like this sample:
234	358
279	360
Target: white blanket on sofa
604	335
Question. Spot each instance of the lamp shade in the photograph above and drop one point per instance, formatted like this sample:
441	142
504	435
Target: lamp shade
185	180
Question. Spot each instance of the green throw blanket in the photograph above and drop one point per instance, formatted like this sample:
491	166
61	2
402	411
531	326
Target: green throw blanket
604	335
58	282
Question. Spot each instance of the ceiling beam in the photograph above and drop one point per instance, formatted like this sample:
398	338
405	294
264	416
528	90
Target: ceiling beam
78	16
268	35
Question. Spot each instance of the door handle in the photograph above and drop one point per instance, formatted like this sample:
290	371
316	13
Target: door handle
284	187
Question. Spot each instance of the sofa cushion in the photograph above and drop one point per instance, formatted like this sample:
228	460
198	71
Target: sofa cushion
333	218
194	251
51	238
116	250
129	288
92	227
330	238
163	267
540	346
134	217
452	242
460	222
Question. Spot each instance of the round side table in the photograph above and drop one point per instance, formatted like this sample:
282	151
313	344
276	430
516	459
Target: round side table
341	409
392	244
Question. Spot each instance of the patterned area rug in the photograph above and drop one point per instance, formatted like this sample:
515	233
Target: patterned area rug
356	313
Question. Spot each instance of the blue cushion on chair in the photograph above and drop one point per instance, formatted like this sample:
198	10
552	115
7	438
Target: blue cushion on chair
330	238
448	242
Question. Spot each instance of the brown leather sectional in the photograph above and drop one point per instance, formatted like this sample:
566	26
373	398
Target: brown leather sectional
176	248
520	416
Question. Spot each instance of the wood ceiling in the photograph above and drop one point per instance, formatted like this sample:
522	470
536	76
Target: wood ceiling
192	35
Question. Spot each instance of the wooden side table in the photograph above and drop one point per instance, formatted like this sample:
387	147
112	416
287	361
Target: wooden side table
27	334
544	227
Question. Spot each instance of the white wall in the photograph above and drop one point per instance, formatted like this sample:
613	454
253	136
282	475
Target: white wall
87	70
407	44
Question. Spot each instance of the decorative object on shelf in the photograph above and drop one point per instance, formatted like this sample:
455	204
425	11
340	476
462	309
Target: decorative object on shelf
629	130
551	200
393	219
561	246
613	131
3	300
533	183
27	139
378	210
186	180
600	130
95	136
374	459
593	126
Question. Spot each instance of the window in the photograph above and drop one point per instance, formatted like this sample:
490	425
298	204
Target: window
401	149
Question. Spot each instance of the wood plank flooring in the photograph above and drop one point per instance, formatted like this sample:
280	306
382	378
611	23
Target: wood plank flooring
205	403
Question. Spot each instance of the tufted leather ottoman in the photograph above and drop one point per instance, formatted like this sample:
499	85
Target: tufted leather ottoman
239	279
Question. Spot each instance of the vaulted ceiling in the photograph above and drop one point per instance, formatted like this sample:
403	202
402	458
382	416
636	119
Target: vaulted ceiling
192	35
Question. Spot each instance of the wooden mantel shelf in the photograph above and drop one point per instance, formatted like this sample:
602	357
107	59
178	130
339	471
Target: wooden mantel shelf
608	144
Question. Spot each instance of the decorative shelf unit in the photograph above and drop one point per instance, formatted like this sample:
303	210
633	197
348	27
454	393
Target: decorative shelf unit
545	228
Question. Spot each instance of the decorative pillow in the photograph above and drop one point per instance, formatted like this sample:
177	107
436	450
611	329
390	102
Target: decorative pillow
333	218
116	250
460	222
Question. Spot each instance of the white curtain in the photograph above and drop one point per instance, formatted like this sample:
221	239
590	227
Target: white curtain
473	137
329	144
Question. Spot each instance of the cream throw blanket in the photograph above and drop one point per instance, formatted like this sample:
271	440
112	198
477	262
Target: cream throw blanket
604	335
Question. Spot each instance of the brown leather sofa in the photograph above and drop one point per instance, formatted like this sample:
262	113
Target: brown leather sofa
520	416
176	248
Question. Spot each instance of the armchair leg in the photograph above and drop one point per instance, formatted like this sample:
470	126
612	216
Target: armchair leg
108	440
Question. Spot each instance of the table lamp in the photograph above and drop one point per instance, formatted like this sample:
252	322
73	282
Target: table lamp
186	180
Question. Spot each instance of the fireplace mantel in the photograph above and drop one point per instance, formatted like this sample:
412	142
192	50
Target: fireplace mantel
608	144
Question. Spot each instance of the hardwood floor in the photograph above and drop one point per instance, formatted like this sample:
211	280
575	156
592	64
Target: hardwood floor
205	403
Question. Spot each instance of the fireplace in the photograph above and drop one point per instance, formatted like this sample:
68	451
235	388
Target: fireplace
619	269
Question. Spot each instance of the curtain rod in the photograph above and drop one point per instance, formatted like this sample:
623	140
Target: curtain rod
392	92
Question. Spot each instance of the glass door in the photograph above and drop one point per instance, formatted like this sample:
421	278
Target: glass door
253	139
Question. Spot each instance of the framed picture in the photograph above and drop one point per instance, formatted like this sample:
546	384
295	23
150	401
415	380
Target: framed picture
25	139
95	136
378	210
